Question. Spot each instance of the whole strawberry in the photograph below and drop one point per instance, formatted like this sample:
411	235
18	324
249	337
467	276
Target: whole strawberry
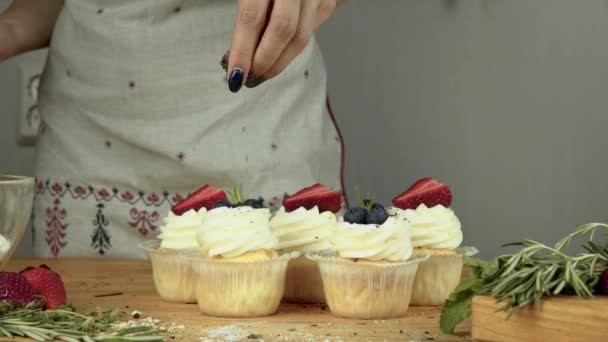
48	283
17	289
603	283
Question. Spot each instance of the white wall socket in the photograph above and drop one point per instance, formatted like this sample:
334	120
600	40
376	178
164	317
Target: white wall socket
28	122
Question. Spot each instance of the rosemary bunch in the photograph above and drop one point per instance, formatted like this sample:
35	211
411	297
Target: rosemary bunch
525	277
66	324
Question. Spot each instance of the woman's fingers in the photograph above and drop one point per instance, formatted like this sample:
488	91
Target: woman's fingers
312	14
325	9
299	41
281	29
250	21
269	34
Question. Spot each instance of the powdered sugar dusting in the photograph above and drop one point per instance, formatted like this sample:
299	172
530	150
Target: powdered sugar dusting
227	333
251	332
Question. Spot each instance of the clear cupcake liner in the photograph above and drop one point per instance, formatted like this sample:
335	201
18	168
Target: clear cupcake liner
303	283
438	277
367	290
242	288
173	276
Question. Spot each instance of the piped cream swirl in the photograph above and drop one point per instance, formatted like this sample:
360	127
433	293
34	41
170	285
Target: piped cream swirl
435	227
231	232
179	231
389	241
303	230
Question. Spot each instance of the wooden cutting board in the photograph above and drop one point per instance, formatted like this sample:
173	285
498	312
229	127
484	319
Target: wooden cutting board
85	280
564	318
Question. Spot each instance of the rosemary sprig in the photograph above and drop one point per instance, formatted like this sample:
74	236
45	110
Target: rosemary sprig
237	194
66	324
366	202
526	277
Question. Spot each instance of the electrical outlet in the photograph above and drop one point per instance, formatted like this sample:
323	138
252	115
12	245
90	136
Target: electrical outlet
29	116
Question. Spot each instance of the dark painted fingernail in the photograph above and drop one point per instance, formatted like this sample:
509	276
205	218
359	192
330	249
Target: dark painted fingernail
254	81
235	81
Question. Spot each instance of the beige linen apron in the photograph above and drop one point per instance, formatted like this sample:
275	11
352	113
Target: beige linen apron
136	114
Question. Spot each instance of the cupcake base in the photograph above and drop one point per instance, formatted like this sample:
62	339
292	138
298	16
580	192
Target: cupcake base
173	277
438	276
367	290
240	288
303	282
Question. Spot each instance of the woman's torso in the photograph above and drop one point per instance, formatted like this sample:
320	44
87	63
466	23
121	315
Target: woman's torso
136	114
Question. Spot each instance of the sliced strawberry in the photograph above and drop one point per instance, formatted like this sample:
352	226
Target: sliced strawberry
206	197
48	283
428	191
318	195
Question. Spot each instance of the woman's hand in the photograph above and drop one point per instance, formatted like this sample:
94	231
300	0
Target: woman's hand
27	25
269	34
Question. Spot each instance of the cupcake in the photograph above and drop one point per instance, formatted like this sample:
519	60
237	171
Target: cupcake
173	277
305	224
239	272
435	231
370	272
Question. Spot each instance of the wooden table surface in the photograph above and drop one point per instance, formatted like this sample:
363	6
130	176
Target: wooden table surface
86	279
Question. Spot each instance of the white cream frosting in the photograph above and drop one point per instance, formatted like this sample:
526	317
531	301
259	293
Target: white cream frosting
303	230
5	245
388	241
436	227
231	232
179	231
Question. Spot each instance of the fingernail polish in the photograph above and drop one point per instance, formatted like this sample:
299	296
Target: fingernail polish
235	81
254	81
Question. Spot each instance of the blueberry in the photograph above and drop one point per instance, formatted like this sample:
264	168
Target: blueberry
255	203
250	203
366	203
377	206
222	203
355	215
377	216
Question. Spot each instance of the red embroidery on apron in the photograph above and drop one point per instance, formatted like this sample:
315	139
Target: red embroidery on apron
56	227
143	221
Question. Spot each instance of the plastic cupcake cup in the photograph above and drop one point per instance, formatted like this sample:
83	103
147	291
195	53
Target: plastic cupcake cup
367	290
173	277
439	275
303	283
227	288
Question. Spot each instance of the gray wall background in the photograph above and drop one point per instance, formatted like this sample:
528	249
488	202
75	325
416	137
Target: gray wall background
504	100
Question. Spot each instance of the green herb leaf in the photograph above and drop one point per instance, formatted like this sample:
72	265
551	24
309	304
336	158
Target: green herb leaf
458	306
237	194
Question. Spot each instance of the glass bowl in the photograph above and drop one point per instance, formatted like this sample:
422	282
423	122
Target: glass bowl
16	199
